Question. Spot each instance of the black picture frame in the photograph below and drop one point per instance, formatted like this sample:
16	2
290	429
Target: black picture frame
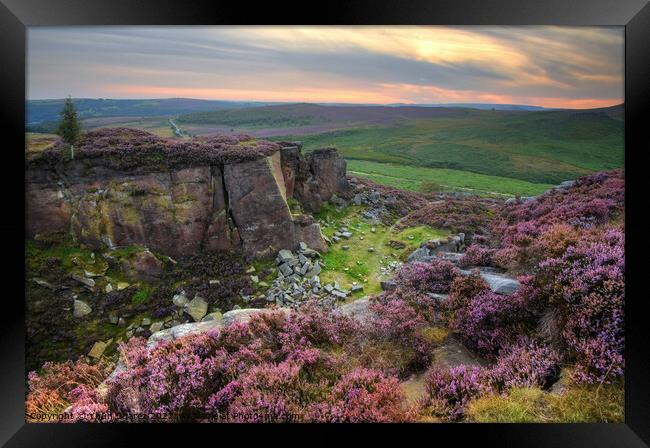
16	15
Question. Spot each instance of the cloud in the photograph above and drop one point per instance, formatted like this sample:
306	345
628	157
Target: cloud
558	65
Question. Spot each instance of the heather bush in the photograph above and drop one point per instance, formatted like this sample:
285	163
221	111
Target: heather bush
401	202
461	292
476	255
587	286
132	149
468	214
196	271
542	227
51	390
526	251
395	321
277	367
525	364
421	278
361	396
491	321
448	391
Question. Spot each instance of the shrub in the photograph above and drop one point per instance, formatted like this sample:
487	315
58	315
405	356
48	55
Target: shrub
468	214
461	292
527	251
361	396
476	255
587	285
275	368
448	391
393	320
50	391
546	225
132	149
491	322
421	278
525	364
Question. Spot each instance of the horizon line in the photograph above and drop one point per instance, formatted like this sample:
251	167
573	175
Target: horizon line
460	104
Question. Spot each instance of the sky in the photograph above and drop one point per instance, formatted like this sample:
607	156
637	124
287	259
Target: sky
567	67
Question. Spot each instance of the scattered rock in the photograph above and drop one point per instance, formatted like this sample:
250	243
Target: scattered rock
88	282
43	283
156	326
243	315
197	308
285	255
359	309
499	283
81	308
180	300
339	294
143	265
215	315
99	348
388	285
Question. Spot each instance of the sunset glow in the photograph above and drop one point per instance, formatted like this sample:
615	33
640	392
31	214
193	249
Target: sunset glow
543	66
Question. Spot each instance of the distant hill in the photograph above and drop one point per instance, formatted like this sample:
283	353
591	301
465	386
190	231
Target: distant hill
481	106
40	111
544	147
306	114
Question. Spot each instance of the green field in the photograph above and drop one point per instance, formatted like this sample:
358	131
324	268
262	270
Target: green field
537	147
427	179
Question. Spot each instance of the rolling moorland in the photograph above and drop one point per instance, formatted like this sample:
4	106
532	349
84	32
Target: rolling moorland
151	290
490	152
219	276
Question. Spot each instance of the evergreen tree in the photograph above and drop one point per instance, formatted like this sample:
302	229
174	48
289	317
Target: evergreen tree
69	128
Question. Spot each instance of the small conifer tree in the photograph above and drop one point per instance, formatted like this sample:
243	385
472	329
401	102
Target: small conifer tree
69	128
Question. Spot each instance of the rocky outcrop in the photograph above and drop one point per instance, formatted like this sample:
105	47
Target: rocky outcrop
315	178
185	208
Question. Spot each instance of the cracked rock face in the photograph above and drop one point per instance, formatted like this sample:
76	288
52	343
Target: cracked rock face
180	211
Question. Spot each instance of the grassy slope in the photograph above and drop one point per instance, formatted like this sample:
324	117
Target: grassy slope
417	179
538	147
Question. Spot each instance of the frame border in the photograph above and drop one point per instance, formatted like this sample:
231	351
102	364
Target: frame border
16	15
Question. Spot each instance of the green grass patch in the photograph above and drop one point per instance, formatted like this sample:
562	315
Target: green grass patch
577	404
141	295
359	264
65	250
422	179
